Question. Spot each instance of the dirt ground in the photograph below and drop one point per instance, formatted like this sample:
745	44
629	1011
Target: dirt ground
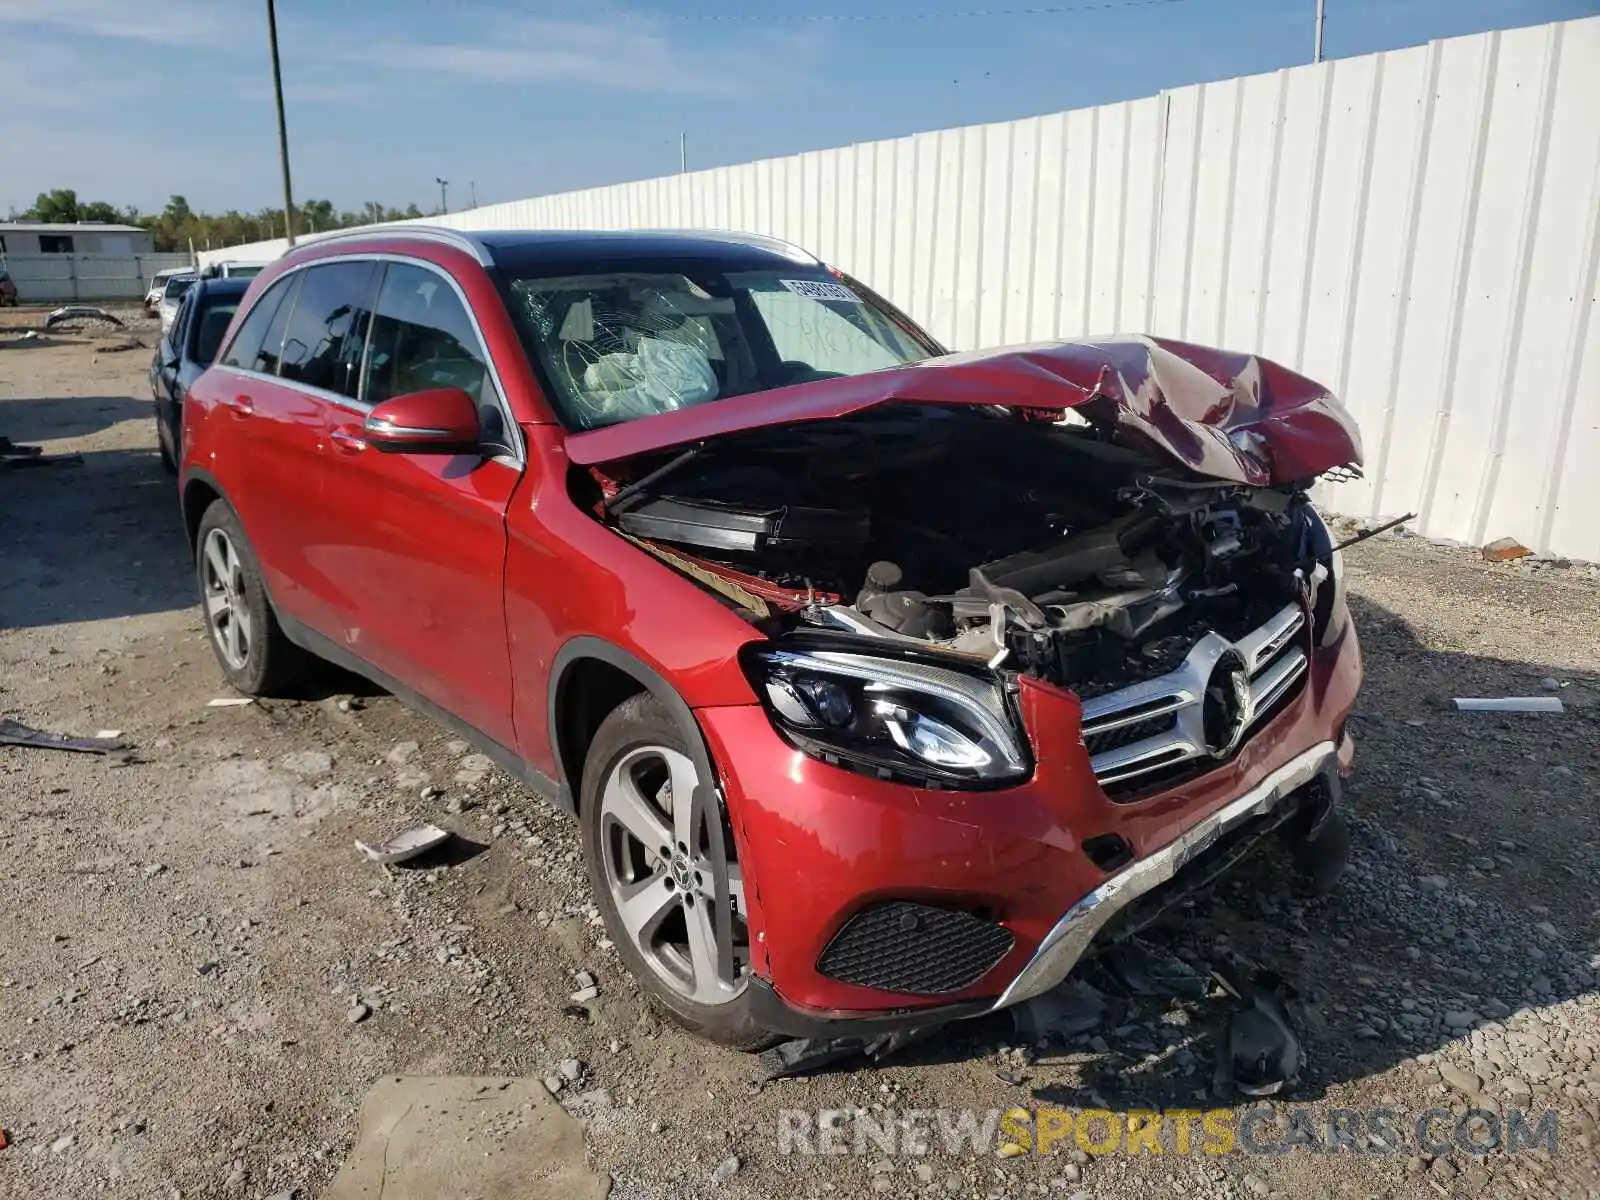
200	978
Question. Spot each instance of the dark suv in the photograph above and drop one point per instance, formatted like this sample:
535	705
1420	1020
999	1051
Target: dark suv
886	683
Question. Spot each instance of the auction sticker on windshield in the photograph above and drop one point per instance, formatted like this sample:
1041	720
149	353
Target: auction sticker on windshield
813	289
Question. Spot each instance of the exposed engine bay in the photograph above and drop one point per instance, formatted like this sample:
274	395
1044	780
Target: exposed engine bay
1043	546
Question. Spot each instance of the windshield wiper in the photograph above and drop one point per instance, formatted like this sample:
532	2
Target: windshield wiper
648	478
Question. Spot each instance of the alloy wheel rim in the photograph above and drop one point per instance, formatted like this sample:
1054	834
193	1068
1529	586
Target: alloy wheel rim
662	880
222	592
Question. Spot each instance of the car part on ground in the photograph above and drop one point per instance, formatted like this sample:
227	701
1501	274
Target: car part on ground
15	733
79	316
1259	1053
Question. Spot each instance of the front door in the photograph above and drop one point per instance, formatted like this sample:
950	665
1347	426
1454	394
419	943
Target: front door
416	543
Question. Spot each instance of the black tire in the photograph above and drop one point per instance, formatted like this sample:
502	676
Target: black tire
1322	858
637	723
169	461
272	664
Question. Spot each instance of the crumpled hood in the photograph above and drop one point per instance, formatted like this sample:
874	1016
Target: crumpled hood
1222	415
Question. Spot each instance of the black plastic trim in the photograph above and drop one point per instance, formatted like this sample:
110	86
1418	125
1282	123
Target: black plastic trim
771	1011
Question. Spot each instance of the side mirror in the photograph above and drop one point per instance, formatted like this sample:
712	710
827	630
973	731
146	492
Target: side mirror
437	421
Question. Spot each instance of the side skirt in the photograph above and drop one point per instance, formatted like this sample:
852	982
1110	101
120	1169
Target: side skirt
557	795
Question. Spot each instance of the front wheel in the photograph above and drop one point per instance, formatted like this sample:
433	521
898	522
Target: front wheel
654	869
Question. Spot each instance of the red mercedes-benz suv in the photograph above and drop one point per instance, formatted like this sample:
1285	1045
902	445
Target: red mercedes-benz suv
885	683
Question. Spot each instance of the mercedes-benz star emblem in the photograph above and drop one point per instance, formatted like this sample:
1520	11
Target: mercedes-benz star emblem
1229	707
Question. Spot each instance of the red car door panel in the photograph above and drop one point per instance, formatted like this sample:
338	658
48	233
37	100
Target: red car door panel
270	462
424	571
411	547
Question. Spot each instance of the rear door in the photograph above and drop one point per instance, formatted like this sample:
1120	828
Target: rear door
415	545
269	458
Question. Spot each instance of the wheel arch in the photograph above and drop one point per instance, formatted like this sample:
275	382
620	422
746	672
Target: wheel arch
199	491
588	679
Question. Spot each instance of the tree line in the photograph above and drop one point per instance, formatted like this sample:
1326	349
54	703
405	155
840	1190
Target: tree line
178	226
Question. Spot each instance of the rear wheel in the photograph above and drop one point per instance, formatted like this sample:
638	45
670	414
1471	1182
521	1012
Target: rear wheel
655	867
252	649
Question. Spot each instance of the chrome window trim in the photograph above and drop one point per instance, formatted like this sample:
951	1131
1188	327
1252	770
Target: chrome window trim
519	450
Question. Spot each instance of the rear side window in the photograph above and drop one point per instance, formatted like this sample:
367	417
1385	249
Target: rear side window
213	324
246	352
322	345
177	335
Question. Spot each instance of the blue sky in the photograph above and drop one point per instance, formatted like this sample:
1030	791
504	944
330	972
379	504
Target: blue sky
130	102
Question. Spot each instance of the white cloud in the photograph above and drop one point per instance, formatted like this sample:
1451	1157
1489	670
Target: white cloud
177	23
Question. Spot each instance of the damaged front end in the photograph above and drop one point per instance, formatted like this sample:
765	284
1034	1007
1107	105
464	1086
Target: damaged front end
1125	520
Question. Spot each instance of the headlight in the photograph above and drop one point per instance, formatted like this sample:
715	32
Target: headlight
890	717
1329	610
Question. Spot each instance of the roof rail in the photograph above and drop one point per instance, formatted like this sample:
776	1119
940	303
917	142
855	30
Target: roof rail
431	233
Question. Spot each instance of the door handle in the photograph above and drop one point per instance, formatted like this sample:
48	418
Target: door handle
242	406
346	440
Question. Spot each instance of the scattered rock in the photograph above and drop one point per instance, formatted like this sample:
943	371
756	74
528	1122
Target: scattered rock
571	1069
64	1143
1461	1018
1257	1186
1463	1081
357	1014
726	1169
1505	549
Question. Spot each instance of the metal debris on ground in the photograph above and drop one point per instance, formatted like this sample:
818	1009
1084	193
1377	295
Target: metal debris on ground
1259	1053
407	845
230	701
15	733
1073	1008
811	1054
1510	704
81	314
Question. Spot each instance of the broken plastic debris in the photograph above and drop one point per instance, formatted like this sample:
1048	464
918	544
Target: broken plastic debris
1145	972
810	1054
1066	1011
1510	704
407	845
1259	1053
15	733
230	701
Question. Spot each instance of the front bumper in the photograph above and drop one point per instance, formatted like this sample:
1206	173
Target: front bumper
1067	943
820	844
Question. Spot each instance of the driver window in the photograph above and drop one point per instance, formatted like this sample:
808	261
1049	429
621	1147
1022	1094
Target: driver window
422	338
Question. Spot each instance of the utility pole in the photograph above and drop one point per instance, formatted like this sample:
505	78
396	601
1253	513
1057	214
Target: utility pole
444	194
473	184
683	152
283	128
1322	16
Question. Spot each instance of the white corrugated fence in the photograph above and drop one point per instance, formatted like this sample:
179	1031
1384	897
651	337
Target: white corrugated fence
1419	230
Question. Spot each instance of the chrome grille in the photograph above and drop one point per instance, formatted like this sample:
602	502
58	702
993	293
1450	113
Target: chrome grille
1160	724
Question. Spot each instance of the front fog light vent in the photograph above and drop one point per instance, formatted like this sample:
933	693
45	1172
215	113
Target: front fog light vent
916	949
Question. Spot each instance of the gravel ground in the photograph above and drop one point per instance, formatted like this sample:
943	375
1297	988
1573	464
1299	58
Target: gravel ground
199	977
